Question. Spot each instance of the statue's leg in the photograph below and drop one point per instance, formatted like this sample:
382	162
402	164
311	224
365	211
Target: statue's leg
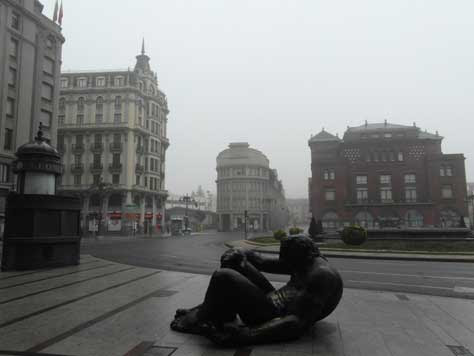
254	275
231	293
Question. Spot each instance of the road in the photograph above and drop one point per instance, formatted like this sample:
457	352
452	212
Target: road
200	254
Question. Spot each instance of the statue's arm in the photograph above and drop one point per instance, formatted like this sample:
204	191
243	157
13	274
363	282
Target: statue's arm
269	263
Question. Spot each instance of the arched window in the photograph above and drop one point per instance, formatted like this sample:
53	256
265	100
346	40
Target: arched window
62	105
364	218
80	104
450	218
413	218
330	221
118	102
99	104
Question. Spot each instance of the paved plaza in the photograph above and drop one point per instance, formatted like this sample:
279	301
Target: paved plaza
107	309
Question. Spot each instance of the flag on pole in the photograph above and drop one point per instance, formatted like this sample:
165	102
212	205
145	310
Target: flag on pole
61	13
55	15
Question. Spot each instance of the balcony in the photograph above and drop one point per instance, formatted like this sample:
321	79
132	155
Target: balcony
140	169
97	147
115	167
96	167
78	148
116	147
77	168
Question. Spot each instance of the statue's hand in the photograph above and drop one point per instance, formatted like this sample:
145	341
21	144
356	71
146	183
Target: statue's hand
233	258
230	335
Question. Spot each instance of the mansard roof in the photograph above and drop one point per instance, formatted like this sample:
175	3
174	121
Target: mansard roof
324	136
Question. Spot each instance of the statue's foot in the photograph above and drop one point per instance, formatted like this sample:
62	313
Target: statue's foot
189	323
183	311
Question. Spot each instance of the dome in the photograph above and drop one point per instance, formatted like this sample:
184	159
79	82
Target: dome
240	153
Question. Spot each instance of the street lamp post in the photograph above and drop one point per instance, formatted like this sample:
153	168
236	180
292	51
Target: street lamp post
186	199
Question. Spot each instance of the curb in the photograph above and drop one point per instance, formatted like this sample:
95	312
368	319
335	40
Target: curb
389	257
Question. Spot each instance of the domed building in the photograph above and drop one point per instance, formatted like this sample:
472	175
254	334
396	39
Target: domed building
246	183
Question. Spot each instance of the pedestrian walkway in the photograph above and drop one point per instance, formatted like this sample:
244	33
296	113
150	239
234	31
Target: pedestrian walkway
107	309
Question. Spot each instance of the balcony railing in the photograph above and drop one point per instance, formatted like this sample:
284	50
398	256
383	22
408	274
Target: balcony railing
78	147
115	167
116	146
77	168
97	147
96	167
139	168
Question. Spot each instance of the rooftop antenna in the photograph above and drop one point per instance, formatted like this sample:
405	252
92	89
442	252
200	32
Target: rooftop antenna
143	46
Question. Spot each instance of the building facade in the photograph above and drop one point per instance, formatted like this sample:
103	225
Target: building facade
245	182
113	138
30	62
386	175
299	212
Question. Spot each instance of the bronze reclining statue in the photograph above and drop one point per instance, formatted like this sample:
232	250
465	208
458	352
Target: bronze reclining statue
266	315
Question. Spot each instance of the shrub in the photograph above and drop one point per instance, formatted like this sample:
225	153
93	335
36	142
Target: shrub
279	234
354	235
295	230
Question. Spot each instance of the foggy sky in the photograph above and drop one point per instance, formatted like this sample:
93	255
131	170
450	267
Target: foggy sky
273	72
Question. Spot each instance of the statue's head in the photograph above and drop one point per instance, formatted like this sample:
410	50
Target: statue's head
298	250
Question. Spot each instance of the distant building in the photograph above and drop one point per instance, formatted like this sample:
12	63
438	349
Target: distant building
245	182
30	63
386	175
113	129
299	211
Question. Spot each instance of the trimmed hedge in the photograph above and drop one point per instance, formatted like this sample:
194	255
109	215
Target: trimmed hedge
295	231
354	235
279	234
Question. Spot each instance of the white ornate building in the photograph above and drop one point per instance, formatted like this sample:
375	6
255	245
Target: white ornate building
245	182
112	130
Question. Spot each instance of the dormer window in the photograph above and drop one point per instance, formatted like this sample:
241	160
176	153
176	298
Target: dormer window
100	82
118	81
82	82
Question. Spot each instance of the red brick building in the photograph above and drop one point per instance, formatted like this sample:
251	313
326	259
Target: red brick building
386	175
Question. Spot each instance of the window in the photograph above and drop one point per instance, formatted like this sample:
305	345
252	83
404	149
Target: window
82	82
62	119
47	92
116	160
62	105
117	138
8	144
386	194
98	138
118	103
410	194
100	82
330	194
77	159
10	107
12	77
441	171
77	179
4	173
115	178
79	140
15	21
80	119
96	179
447	192
80	104
362	194
118	81
97	159
400	156
326	174
449	171
385	179
99	118
13	48
64	83
146	181
410	178
361	179
48	66
46	118
137	180
117	118
99	104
